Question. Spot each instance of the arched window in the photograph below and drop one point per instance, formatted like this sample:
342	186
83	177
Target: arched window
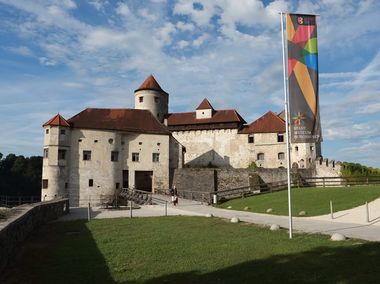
281	156
260	156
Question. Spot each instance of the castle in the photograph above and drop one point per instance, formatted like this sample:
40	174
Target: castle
99	151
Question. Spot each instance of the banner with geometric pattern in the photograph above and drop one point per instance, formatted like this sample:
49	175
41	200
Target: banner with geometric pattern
305	124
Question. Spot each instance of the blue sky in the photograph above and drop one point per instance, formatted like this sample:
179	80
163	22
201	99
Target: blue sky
66	55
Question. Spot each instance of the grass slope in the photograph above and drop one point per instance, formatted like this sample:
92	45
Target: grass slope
315	201
187	250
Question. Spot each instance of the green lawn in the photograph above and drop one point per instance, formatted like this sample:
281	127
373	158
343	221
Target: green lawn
187	250
315	201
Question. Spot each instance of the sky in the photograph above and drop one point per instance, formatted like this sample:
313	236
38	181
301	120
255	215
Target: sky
65	55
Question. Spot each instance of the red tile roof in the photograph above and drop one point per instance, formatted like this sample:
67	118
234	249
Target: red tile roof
131	120
268	123
219	116
205	104
57	120
150	83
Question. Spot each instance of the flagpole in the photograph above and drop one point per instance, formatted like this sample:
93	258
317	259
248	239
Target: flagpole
287	127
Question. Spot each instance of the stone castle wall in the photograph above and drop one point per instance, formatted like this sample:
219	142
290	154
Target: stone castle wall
23	221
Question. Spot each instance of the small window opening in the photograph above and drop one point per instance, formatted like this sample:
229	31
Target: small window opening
45	183
91	182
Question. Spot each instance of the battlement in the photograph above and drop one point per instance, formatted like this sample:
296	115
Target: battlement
327	168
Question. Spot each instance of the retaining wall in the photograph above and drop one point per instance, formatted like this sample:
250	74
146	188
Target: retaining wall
209	180
22	221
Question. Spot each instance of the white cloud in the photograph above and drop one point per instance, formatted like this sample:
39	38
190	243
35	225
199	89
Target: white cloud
47	61
123	9
182	44
200	40
147	15
182	26
202	16
21	50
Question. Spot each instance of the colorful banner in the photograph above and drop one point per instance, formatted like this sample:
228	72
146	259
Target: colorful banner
305	125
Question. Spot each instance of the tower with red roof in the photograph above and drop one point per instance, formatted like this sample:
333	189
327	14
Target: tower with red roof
152	97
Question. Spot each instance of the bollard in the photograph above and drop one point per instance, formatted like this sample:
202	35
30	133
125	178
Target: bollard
89	212
130	209
331	210
166	208
367	211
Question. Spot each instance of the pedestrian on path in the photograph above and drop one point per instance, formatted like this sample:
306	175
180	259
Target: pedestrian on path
174	194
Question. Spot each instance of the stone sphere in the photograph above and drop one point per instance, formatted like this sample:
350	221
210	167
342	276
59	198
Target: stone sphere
275	227
229	207
235	220
338	237
302	213
269	210
246	208
209	215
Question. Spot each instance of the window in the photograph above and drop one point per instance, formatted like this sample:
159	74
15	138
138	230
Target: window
61	154
155	157
63	131
91	182
251	139
114	156
117	185
86	155
280	137
46	153
66	185
281	156
260	156
156	99
135	157
311	148
47	131
296	148
45	183
141	99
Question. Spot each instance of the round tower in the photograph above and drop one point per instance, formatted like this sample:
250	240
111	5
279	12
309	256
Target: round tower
55	158
150	96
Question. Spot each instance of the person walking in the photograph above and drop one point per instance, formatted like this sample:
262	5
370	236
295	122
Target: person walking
174	195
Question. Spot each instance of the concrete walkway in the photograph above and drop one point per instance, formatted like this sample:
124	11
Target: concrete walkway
352	223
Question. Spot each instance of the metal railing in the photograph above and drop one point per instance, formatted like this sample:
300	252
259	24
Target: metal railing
202	196
340	181
11	201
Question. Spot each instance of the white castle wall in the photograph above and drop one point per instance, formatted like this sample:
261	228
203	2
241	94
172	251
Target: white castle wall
225	147
70	177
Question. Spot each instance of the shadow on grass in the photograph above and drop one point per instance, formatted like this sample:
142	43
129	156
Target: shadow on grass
356	264
66	252
59	252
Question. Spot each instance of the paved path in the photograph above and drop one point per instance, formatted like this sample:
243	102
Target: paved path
351	223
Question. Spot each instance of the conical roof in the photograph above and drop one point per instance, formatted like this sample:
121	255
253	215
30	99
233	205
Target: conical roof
150	83
57	120
205	104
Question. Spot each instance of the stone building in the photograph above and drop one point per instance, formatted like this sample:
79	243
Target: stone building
99	151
